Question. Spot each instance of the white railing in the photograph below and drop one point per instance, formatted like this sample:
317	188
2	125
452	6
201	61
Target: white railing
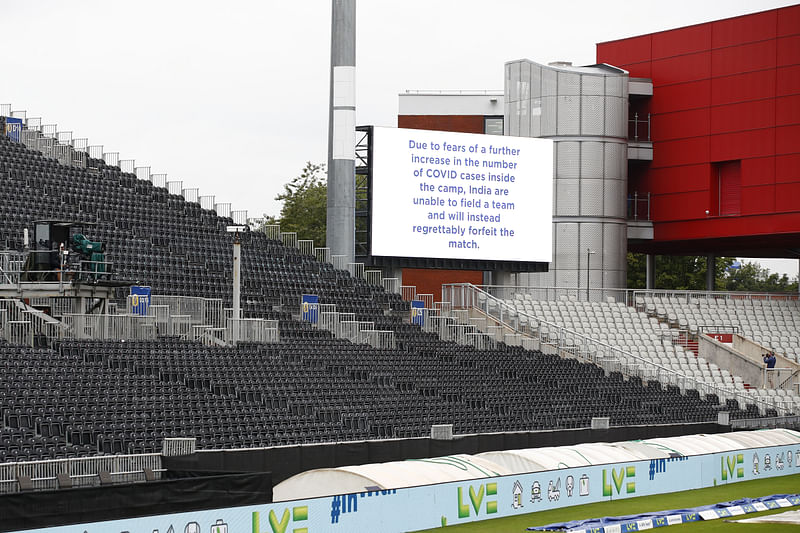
553	338
82	471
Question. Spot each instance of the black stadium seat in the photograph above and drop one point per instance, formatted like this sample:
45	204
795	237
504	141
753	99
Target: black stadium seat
82	398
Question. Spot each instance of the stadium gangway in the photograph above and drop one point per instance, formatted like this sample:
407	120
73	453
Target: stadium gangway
306	247
556	339
374	277
254	330
391	285
408	292
379	339
83	471
323	255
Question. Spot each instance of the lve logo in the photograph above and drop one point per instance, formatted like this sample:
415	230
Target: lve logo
298	514
476	498
732	466
616	480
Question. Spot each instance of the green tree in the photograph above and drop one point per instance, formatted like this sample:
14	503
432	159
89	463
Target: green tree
677	272
305	205
755	278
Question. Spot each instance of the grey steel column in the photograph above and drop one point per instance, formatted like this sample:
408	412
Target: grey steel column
650	270
341	132
711	266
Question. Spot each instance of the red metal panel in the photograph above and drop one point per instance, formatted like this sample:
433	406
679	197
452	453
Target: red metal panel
787	168
787	110
787	140
758	171
681	96
681	152
741	145
787	197
758	200
742	117
681	41
690	67
743	58
682	206
680	124
743	87
624	51
460	123
788	50
638	70
787	81
744	29
430	281
789	20
673	180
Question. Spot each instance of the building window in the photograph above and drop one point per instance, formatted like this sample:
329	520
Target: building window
726	186
493	125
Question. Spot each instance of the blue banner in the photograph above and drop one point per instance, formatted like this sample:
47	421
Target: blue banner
13	128
428	506
417	312
140	300
310	308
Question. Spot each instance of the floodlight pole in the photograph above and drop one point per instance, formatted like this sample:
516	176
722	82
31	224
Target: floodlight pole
341	230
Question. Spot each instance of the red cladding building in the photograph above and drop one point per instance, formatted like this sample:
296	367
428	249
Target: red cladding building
725	128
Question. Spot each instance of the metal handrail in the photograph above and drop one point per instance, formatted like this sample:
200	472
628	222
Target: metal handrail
582	344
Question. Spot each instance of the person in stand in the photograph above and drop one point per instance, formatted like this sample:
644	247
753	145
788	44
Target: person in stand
769	360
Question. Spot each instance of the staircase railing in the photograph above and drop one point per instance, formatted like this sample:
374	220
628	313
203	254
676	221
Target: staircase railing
553	338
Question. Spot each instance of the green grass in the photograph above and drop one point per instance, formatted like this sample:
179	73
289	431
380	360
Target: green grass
659	502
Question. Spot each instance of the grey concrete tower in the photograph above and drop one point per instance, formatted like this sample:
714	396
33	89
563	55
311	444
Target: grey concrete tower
585	111
341	131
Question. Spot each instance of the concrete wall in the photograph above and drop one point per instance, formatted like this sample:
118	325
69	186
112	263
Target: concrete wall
744	358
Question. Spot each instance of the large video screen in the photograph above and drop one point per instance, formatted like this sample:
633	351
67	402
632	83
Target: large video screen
461	196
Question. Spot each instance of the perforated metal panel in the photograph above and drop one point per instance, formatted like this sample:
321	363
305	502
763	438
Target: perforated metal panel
536	117
614	85
591	197
524	118
569	83
513	127
568	159
567	235
592	84
591	238
536	81
615	246
568	115
614	278
549	115
567	197
614	198
616	160
549	82
524	92
566	278
512	75
616	117
591	160
592	115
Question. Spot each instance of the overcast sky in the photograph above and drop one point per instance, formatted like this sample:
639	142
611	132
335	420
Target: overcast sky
232	97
